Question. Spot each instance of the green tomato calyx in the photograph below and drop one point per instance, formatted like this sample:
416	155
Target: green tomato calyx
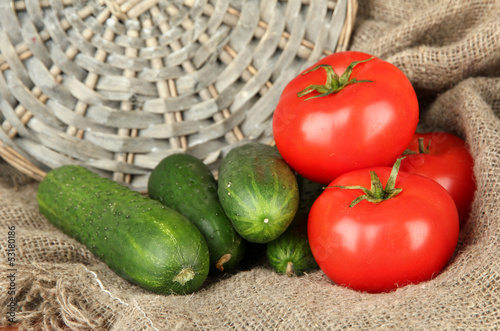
422	149
334	83
377	193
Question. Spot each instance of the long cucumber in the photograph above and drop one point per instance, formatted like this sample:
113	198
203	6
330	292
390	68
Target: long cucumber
184	183
138	238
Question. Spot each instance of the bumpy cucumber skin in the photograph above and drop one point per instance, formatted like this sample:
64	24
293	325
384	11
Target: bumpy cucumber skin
258	191
290	253
137	237
185	184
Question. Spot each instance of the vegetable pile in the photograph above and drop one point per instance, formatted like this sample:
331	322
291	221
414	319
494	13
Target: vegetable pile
350	188
389	215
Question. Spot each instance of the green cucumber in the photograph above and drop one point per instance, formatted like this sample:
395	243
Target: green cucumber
258	191
290	253
141	240
186	184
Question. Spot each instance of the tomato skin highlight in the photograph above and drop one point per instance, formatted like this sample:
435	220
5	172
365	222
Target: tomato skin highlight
379	247
365	124
449	163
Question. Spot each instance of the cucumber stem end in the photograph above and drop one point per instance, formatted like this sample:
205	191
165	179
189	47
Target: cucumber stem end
184	276
289	269
224	258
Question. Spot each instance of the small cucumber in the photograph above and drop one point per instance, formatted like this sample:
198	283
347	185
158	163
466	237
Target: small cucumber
184	183
290	253
258	191
141	240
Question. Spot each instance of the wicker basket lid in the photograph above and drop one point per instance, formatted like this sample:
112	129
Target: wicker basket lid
117	85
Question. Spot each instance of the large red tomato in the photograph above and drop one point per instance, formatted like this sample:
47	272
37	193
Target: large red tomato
445	158
406	234
349	111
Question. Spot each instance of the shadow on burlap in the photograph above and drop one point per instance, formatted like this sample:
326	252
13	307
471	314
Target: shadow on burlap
450	50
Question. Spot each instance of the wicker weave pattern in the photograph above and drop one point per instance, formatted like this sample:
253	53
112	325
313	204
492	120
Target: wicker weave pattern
116	85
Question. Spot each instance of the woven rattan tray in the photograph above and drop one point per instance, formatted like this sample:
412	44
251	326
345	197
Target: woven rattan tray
116	85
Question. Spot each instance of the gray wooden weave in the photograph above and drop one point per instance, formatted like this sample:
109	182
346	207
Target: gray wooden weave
117	85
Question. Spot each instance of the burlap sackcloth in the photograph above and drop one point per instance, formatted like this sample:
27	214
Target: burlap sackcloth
450	50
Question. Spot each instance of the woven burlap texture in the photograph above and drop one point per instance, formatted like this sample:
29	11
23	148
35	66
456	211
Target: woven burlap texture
450	50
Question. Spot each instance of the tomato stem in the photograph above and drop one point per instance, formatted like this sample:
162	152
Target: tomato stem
422	149
334	83
377	193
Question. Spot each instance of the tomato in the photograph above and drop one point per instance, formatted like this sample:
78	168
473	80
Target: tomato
323	131
445	158
405	233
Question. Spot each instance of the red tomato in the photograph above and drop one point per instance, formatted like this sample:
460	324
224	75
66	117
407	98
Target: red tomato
444	158
364	124
378	247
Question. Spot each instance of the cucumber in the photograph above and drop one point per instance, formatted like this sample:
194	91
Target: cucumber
184	183
258	191
141	240
290	253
